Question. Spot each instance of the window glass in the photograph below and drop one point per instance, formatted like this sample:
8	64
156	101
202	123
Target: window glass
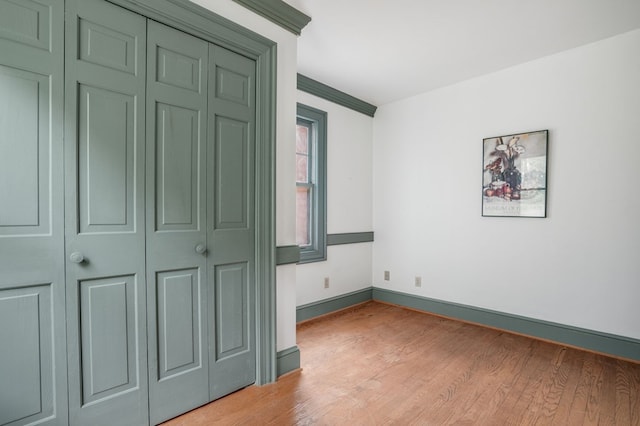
311	183
303	237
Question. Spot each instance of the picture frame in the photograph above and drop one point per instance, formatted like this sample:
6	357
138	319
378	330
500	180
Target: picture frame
514	175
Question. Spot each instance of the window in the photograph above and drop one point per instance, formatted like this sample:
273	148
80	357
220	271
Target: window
311	182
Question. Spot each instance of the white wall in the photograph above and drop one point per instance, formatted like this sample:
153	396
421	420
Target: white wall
349	204
285	144
581	265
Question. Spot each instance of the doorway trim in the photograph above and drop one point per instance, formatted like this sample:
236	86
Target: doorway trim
205	24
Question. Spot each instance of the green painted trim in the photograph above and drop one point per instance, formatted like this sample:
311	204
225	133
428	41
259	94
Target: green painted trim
207	25
286	255
332	304
202	23
323	91
605	343
265	199
349	238
317	121
279	12
288	360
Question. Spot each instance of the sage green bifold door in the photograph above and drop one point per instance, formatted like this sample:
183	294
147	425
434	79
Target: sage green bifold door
200	221
105	214
231	222
176	222
160	222
33	383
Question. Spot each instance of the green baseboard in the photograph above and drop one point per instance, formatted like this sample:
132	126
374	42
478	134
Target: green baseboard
605	343
618	346
332	304
288	360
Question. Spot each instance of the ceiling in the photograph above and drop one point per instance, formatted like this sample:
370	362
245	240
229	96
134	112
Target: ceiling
384	50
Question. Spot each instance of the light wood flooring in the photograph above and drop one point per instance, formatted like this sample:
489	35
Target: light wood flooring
378	364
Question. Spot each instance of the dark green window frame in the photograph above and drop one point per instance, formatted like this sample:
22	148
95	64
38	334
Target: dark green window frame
316	121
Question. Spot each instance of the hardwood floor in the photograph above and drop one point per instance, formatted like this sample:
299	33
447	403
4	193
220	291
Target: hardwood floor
377	364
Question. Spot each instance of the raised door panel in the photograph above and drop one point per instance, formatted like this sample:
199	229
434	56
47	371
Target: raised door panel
106	161
179	320
27	22
231	222
26	367
233	85
176	222
177	155
182	69
24	153
32	318
105	220
232	310
109	347
232	174
106	46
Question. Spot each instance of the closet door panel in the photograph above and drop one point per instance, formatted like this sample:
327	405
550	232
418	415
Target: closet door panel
179	341
33	385
24	192
177	151
106	167
106	46
108	338
231	291
232	178
26	359
176	221
231	224
27	22
105	214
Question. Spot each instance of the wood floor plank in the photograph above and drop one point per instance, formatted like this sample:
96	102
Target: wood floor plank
573	360
379	364
633	374
595	392
544	404
515	385
522	411
623	395
508	388
607	406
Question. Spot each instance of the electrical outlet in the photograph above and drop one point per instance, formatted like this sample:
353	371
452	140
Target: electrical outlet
387	275
326	282
418	281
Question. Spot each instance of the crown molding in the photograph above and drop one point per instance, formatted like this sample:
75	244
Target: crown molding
279	12
323	91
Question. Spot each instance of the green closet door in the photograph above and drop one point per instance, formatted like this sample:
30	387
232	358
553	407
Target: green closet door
231	222
105	214
33	383
176	222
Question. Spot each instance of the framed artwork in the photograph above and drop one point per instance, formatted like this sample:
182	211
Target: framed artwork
514	175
